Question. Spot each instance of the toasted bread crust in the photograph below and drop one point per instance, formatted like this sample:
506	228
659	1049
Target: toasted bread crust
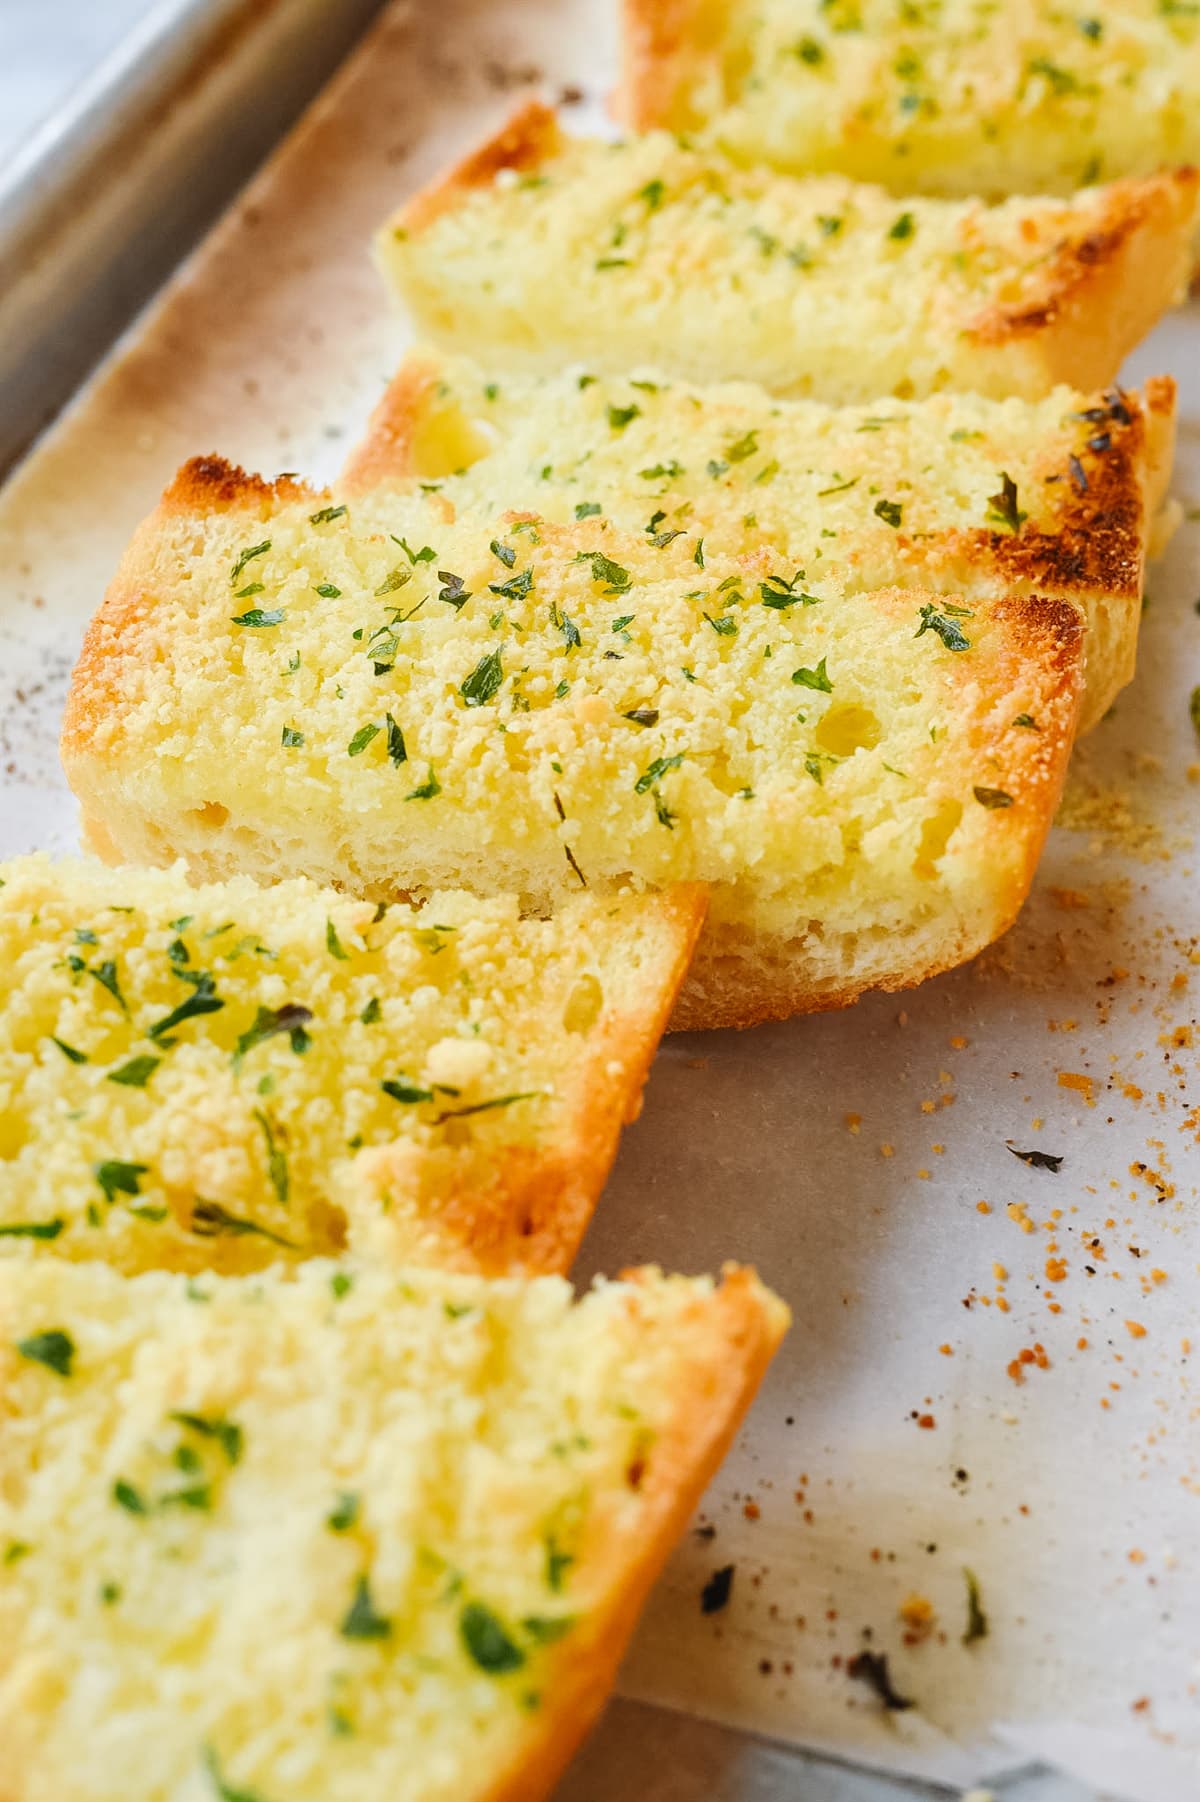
533	1212
663	51
531	135
385	453
750	1324
1098	294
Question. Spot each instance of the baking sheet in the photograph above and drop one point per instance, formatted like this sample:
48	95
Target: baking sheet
861	1159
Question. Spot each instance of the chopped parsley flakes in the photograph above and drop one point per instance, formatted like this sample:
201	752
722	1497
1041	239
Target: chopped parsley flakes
362	1621
951	634
53	1348
485	680
487	1641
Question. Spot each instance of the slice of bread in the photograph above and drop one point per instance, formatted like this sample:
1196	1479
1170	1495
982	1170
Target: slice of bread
340	1534
864	778
541	249
226	1076
910	492
961	98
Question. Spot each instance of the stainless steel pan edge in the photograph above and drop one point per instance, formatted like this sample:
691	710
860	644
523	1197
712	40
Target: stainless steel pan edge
101	202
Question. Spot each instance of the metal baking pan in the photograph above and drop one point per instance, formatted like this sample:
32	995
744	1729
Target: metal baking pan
101	202
270	344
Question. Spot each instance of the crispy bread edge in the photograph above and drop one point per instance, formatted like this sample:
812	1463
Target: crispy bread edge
531	136
747	1325
1102	292
530	1217
662	50
385	452
203	485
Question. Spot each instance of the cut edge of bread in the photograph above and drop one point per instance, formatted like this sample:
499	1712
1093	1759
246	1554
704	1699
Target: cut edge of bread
748	1322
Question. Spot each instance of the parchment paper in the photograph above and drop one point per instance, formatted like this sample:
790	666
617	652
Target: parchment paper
861	1159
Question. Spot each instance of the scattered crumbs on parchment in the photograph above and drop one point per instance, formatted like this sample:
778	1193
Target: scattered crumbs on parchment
1115	817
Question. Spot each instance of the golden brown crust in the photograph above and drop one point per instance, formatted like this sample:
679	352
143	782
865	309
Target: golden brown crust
1105	501
112	641
385	454
663	48
531	136
1098	294
213	485
535	1209
749	1326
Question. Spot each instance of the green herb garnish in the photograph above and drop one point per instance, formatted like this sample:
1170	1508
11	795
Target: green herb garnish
277	1168
256	550
53	1348
203	1000
401	1089
814	678
516	588
117	1178
1002	507
362	739
977	1620
487	1641
396	749
616	579
227	1434
260	616
136	1073
210	1220
362	1621
951	635
743	447
345	1514
779	593
485	680
655	771
226	1791
291	1018
427	789
106	976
